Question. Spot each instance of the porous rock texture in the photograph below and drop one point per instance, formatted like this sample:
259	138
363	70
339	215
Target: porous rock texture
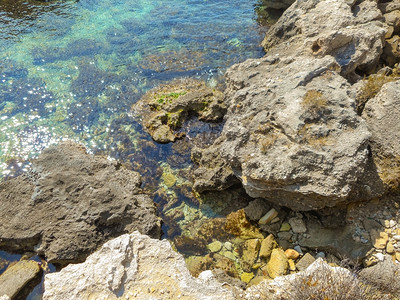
71	203
164	109
382	116
292	134
133	266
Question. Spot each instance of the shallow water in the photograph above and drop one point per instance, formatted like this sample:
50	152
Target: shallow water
72	70
68	68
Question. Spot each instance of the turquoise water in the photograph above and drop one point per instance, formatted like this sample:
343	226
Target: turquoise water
69	68
73	69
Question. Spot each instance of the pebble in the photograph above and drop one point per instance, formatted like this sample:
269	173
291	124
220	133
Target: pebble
298	225
285	227
320	255
292	254
268	217
389	248
228	246
215	246
298	249
379	256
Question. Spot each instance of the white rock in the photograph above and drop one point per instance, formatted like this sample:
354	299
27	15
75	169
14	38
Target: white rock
132	264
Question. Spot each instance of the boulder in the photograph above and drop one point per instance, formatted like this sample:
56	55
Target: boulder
352	33
132	266
70	203
382	114
292	135
164	109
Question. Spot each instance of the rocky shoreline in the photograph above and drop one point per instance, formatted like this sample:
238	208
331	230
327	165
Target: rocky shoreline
305	174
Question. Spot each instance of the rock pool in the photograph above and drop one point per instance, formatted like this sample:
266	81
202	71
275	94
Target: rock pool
73	69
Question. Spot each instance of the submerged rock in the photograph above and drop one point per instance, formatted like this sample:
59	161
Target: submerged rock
164	109
132	266
70	203
18	276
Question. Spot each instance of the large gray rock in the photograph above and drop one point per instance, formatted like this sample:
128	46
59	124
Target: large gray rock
292	134
133	267
382	116
352	33
70	204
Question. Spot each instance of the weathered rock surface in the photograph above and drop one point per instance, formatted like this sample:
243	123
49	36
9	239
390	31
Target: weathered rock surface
164	109
16	277
133	266
384	275
277	4
323	282
352	33
292	134
338	241
71	203
382	116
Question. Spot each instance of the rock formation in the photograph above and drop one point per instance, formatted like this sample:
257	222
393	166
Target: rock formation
164	109
133	267
292	134
70	204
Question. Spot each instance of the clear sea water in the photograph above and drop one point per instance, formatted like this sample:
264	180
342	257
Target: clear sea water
72	70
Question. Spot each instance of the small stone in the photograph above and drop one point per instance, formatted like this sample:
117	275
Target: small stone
275	220
298	249
256	209
389	248
304	262
228	254
228	246
250	253
246	277
278	263
169	179
320	255
285	227
214	246
286	236
268	217
392	223
379	239
379	256
292	265
292	254
387	223
298	225
267	245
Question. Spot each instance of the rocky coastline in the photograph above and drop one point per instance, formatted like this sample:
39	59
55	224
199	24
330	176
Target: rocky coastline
304	176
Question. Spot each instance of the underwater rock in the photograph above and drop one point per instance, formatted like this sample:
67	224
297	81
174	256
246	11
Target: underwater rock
132	266
213	172
250	254
164	109
267	245
18	276
238	225
70	203
278	263
382	114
